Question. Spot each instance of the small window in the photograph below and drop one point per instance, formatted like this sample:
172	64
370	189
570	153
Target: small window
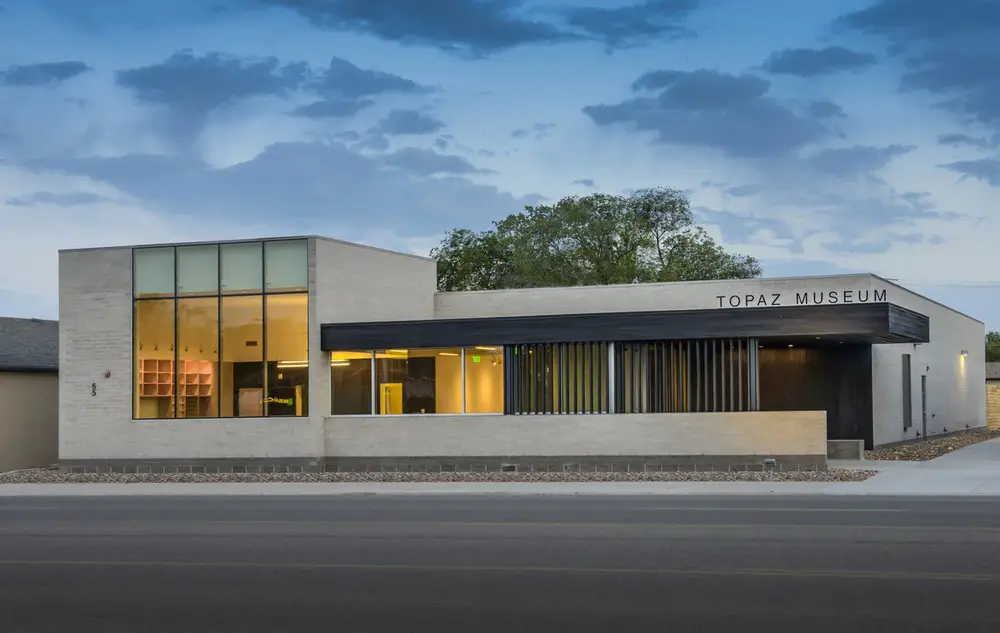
907	393
242	268
286	266
198	270
153	272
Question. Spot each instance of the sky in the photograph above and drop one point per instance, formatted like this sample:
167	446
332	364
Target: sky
821	136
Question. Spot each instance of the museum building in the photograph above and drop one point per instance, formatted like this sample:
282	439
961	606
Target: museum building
310	353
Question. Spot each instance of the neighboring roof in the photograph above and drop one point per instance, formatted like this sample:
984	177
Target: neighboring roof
29	345
992	371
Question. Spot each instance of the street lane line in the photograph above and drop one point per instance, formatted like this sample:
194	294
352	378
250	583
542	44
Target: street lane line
747	572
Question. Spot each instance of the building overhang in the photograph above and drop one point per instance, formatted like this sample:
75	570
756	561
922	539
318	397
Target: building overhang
859	323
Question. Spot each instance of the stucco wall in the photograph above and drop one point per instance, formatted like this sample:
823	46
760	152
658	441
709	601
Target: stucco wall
696	295
956	398
95	325
29	420
749	433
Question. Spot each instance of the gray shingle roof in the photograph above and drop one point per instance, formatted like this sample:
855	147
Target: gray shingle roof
29	345
992	371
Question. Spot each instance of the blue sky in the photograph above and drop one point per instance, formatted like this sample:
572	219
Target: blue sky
821	136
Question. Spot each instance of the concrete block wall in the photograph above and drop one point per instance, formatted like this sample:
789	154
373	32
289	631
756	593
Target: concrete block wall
956	398
716	438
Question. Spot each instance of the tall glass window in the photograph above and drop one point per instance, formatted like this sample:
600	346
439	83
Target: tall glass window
208	343
287	326
153	338
198	357
243	356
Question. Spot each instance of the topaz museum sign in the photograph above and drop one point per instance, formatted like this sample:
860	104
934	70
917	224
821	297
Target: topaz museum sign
808	298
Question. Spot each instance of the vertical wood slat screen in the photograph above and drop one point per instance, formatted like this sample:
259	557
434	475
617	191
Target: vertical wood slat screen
686	376
556	378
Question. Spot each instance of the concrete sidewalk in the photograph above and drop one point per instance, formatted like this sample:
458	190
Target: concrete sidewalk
971	471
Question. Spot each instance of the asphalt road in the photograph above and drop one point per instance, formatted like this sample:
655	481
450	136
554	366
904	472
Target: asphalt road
488	564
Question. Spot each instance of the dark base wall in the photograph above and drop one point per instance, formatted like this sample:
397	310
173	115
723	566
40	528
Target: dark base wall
834	378
456	464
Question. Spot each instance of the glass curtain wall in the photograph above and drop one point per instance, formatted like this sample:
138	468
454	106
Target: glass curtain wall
221	330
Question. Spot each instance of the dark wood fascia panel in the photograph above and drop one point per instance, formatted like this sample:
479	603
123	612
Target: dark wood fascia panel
868	322
910	325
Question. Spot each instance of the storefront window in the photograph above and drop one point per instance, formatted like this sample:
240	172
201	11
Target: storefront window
484	379
287	322
351	383
418	381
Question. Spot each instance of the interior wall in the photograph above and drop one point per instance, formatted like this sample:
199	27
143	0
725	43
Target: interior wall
836	379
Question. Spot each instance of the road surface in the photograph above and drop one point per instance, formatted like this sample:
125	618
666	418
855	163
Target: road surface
486	564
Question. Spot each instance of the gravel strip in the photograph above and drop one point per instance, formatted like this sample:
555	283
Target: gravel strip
924	450
55	477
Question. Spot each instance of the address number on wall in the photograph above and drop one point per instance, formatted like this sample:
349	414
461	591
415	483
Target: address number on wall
93	388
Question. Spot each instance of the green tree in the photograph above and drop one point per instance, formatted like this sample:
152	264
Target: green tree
993	346
599	239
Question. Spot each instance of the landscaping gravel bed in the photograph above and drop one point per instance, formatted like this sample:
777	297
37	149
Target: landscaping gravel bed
55	477
923	450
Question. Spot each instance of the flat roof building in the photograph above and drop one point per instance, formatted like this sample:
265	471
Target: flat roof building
311	353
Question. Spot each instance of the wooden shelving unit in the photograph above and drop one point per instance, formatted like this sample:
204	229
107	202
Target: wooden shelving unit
193	389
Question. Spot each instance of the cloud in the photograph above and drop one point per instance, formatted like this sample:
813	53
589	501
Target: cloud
538	131
859	160
305	184
425	162
332	108
824	109
732	113
399	122
746	229
343	79
985	169
949	47
743	191
959	140
811	62
469	27
479	28
45	74
76	198
632	25
586	182
194	85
